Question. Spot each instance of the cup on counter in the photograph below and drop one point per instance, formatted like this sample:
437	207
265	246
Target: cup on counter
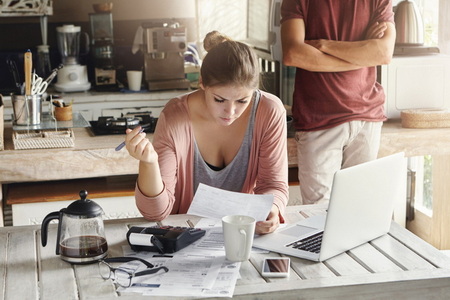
238	232
63	113
134	80
27	109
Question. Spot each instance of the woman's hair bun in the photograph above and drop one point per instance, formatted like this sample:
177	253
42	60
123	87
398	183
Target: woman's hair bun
213	39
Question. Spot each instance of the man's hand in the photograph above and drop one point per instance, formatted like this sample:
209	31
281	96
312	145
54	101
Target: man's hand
376	31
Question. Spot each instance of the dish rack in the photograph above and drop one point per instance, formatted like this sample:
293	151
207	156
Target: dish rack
23	8
44	139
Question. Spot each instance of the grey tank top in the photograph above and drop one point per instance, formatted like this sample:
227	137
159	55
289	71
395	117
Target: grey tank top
232	177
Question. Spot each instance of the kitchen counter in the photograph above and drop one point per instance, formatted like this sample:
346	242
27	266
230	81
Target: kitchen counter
92	156
413	141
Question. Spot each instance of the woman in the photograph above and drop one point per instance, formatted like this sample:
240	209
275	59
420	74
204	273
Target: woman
227	134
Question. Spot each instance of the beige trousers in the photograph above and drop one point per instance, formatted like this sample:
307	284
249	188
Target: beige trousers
321	153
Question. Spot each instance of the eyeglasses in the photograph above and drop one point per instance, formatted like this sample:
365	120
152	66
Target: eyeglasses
122	276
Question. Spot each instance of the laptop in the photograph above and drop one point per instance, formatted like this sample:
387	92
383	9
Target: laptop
361	207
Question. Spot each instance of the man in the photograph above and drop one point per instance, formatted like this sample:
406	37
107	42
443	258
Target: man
337	103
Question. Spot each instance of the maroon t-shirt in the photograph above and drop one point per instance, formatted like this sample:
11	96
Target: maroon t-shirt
325	99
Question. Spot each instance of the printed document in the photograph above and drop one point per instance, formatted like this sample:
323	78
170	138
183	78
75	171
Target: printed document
214	203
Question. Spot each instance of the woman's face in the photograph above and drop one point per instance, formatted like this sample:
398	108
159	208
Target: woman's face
227	103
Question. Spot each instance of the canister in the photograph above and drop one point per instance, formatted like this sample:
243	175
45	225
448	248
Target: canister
27	109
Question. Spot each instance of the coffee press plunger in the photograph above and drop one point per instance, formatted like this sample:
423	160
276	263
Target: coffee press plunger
81	234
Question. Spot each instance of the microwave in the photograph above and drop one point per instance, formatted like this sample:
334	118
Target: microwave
415	82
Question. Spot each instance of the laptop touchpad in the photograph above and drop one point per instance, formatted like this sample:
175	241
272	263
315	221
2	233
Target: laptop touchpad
298	230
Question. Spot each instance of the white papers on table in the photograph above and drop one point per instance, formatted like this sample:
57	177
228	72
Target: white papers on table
223	285
199	270
210	202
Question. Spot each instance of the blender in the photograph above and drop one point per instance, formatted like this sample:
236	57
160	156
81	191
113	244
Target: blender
73	77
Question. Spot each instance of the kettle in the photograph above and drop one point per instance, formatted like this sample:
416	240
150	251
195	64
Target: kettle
408	24
81	233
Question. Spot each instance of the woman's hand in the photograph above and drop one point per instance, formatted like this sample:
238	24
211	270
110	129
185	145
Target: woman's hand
139	146
271	223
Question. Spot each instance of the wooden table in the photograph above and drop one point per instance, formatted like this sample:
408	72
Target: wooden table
394	266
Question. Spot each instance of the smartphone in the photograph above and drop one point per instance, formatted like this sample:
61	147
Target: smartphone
276	267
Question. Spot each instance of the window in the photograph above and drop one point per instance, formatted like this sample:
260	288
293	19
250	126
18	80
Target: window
421	183
429	10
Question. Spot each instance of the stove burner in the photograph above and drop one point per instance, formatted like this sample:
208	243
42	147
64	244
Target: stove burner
111	125
127	121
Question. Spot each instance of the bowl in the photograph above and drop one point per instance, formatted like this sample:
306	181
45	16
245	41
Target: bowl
103	7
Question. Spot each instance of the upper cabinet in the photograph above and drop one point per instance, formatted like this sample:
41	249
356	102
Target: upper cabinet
24	8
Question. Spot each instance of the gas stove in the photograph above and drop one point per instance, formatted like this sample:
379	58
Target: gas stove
110	125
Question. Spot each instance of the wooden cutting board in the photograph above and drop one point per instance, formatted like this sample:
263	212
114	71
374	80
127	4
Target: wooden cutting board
425	118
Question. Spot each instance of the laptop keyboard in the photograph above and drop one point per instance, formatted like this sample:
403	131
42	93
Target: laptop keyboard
311	243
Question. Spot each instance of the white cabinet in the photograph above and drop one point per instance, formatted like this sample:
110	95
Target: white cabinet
415	82
94	105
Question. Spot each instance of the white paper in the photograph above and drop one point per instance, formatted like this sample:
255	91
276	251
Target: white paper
195	271
141	239
210	202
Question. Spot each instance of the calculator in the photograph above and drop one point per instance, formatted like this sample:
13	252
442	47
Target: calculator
162	239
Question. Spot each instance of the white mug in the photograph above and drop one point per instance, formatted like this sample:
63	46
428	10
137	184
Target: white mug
134	80
238	232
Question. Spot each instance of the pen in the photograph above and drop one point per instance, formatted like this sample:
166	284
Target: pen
118	148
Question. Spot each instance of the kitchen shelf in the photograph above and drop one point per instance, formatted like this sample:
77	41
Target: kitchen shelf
47	122
26	8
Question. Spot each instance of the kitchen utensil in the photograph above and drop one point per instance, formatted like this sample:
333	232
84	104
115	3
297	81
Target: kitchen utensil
81	237
43	61
28	65
12	66
44	22
408	24
53	74
38	85
27	109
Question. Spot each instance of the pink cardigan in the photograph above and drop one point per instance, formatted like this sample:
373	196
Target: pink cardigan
174	141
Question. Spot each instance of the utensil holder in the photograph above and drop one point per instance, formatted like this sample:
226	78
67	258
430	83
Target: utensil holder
63	113
27	109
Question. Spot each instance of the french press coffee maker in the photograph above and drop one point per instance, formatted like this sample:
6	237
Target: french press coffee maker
81	233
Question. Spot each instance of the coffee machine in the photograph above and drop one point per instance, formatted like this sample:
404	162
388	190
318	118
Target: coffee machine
73	77
102	50
163	47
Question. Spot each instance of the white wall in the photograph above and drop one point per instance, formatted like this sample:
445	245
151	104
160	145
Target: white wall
228	17
78	11
444	26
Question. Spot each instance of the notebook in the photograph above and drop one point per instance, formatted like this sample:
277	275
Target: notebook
361	206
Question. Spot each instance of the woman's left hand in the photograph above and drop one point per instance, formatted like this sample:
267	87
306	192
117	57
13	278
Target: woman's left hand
271	223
